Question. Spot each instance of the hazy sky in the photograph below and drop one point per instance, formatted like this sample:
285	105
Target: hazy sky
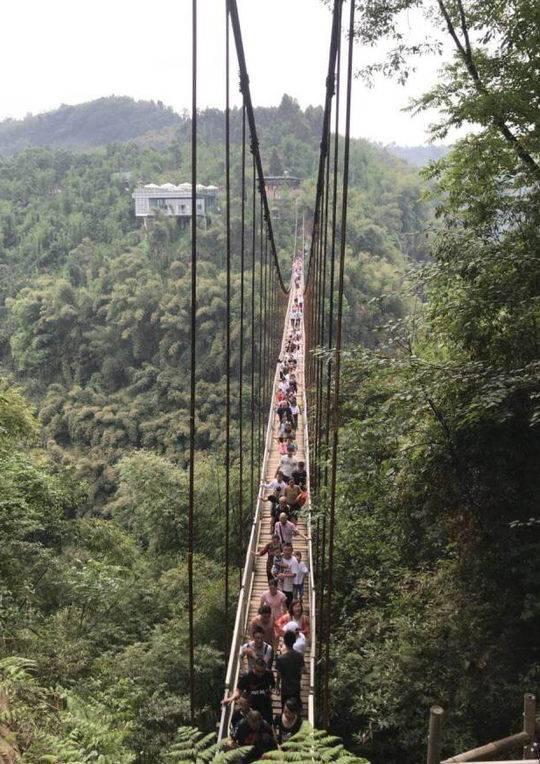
69	51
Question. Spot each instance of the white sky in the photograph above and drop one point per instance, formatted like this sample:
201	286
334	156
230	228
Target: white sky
70	51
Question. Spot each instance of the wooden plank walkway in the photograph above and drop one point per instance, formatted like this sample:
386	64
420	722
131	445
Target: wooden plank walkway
255	580
260	581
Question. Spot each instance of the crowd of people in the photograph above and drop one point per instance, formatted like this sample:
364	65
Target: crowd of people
274	654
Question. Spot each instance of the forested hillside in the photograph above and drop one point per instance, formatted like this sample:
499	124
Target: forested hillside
118	119
96	123
438	524
436	556
93	330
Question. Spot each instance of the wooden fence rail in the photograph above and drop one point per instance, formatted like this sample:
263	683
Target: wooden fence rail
476	755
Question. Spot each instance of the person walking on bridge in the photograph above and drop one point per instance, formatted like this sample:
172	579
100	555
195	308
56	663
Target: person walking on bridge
290	569
300	475
290	666
272	549
265	621
278	483
274	599
257	648
287	723
287	530
291	494
257	685
287	464
254	731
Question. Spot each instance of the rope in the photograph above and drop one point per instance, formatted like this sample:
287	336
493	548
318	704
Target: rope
334	44
193	360
330	334
265	320
253	357
339	322
245	90
321	452
260	326
227	320
240	534
333	257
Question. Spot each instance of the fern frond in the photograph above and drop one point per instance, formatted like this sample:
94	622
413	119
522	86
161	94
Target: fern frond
205	741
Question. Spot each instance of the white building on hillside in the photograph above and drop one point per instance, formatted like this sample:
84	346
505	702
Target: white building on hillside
172	200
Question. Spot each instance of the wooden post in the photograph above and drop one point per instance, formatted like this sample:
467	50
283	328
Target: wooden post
529	724
436	715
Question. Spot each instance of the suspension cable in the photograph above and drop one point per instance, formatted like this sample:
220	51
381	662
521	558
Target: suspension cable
245	90
322	565
260	327
227	321
330	324
241	349
332	257
193	359
337	373
334	42
253	246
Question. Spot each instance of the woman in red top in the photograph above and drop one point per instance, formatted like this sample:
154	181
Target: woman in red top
296	614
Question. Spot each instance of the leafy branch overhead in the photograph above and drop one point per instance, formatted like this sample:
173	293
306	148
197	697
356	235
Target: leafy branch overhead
490	81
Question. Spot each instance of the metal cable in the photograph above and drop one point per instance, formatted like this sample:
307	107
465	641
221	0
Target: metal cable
322	565
253	356
227	320
334	43
337	372
193	358
260	327
245	90
241	342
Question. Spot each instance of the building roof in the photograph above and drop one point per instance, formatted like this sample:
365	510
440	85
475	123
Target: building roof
281	179
181	187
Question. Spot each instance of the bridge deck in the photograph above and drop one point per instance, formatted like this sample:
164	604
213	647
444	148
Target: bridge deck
255	580
260	581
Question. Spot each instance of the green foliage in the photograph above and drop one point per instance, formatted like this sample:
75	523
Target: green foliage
313	745
16	420
100	605
53	727
437	536
94	326
307	745
95	318
190	745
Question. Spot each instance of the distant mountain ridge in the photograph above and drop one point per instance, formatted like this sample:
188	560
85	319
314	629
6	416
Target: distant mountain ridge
418	155
119	119
115	119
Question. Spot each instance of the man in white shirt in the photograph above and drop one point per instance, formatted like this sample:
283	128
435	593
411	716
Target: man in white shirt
298	585
300	644
277	483
287	464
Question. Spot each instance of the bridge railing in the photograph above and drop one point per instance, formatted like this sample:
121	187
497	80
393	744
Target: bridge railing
311	581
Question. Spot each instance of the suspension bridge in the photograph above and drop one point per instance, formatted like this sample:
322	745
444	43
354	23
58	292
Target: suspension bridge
267	298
